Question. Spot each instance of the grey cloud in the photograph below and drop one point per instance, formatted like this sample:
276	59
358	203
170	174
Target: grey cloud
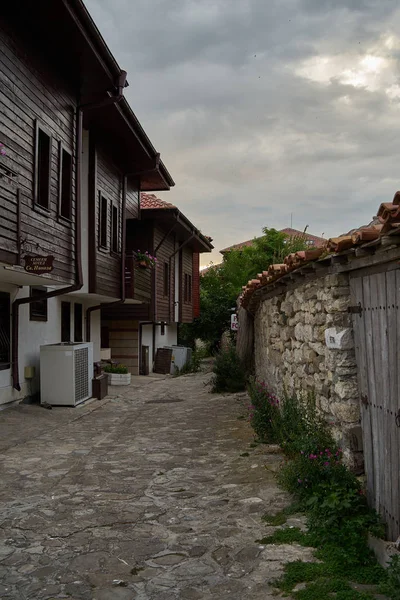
248	140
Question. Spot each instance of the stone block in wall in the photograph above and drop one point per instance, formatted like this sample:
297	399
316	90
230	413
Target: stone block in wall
345	358
346	389
308	354
335	305
339	339
319	348
338	319
336	280
303	333
346	412
340	292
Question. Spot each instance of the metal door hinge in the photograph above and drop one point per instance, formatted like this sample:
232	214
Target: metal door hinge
355	310
397	418
364	401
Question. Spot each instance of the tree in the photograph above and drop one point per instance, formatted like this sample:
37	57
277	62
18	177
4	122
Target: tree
221	284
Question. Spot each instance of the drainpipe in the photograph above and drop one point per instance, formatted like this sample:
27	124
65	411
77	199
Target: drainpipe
78	259
112	99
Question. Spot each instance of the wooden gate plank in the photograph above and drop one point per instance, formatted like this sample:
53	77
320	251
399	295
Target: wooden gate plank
374	368
357	295
383	350
391	459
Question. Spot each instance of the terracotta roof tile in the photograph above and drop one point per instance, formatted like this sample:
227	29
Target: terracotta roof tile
388	219
314	240
150	201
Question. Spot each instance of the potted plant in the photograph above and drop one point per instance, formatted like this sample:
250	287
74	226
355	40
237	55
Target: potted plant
145	260
117	374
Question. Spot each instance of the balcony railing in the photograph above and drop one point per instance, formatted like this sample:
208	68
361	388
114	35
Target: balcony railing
138	280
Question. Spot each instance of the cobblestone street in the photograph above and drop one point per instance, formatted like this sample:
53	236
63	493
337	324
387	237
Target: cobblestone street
143	495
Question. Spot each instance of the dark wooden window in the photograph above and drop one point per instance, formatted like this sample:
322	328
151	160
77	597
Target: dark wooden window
187	288
4	331
78	323
42	167
162	328
65	184
103	237
166	279
115	230
65	321
38	310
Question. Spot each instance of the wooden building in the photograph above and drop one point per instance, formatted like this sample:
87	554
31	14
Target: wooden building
169	292
73	161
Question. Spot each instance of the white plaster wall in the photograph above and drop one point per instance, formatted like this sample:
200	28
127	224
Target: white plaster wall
147	340
169	339
33	334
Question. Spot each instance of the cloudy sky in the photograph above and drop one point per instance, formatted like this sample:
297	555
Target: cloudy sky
265	108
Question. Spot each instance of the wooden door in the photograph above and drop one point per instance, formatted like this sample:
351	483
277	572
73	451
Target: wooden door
377	343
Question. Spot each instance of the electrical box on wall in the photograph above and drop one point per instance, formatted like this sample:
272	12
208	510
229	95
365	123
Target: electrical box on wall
339	339
29	372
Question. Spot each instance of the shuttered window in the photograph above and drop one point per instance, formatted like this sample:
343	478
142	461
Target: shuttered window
65	184
42	167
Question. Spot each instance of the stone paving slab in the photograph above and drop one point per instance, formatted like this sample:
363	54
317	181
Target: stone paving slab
143	495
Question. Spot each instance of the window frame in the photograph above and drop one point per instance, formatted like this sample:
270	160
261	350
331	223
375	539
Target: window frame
61	150
40	128
106	245
80	330
43	317
64	303
6	298
115	247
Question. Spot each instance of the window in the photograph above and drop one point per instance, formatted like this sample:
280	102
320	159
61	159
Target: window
65	184
103	237
166	279
4	331
162	329
78	323
42	168
187	288
115	230
38	309
65	321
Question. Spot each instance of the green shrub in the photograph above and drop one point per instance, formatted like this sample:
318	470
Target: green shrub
229	374
392	586
263	411
117	369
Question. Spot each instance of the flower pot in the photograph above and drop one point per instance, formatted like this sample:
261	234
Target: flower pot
142	264
119	378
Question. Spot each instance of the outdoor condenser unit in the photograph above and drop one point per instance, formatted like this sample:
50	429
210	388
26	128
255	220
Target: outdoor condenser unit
180	357
66	372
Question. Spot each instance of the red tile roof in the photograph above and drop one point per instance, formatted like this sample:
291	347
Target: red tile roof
314	240
387	223
148	201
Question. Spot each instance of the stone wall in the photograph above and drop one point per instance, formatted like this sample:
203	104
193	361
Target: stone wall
304	343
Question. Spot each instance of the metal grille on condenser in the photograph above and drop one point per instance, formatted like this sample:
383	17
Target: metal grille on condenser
81	357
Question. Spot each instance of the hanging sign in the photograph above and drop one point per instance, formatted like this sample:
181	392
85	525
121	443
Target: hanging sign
38	265
234	323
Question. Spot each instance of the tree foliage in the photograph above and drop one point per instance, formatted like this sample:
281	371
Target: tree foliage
221	284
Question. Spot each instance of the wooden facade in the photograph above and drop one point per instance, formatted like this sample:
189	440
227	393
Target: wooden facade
35	100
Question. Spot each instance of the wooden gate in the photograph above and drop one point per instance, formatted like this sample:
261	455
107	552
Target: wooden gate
376	321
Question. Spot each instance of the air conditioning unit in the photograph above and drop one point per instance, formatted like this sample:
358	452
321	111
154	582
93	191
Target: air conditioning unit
66	372
180	357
